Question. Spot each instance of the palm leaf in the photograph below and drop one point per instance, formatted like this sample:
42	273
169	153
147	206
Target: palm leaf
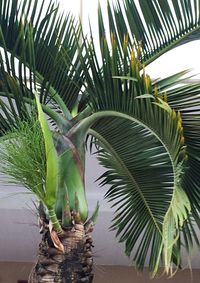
44	49
141	177
132	190
137	97
124	152
158	25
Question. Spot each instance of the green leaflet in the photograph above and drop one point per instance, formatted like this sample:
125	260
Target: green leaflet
125	78
51	181
95	213
154	24
180	207
163	105
174	219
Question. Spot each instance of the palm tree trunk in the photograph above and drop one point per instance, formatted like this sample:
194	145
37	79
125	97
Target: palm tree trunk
72	266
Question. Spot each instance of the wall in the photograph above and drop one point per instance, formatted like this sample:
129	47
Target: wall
10	272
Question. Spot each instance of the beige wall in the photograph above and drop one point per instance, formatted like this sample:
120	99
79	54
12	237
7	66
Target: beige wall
11	272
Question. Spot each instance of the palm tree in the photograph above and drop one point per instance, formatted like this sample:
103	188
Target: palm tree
57	96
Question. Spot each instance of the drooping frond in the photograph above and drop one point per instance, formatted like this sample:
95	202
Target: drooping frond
135	186
144	163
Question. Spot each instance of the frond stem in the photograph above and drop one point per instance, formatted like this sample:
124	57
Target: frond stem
57	118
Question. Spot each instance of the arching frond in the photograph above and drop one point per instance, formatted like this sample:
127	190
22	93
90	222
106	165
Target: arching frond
159	25
137	96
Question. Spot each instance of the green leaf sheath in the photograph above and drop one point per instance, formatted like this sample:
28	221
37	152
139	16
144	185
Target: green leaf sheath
51	180
71	187
54	221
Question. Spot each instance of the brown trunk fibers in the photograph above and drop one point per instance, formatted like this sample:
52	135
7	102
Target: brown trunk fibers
72	266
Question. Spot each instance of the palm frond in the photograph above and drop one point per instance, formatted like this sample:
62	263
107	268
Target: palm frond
126	89
41	50
142	180
136	185
158	25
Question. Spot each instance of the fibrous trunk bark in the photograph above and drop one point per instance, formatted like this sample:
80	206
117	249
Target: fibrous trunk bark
74	265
